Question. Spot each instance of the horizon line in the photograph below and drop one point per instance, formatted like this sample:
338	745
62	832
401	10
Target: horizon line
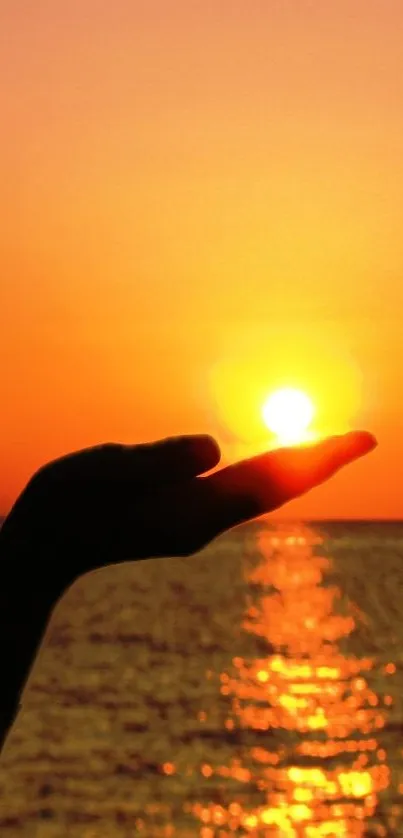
307	519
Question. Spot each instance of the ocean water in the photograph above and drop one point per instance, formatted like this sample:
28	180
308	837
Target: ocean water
253	690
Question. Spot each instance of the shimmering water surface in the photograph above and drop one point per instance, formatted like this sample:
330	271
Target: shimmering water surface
253	690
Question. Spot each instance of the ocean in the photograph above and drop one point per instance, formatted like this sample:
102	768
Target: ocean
252	690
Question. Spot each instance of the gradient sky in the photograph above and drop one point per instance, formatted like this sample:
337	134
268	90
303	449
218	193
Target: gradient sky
200	200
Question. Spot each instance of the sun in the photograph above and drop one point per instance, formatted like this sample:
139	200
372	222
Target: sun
288	413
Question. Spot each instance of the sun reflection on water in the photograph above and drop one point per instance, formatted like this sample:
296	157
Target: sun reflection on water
309	762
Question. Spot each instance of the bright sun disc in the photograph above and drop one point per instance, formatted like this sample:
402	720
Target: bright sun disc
288	413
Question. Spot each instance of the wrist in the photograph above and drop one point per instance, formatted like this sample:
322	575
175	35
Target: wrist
30	569
29	591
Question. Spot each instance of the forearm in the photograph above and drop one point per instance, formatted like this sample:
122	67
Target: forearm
27	599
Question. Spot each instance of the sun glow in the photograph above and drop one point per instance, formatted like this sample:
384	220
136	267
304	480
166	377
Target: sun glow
288	413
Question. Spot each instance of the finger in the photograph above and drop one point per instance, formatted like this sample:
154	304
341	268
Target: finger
168	460
172	459
257	486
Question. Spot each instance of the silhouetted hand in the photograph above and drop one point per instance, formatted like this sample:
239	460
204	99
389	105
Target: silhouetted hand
113	503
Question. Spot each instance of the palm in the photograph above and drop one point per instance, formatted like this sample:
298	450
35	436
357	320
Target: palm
114	503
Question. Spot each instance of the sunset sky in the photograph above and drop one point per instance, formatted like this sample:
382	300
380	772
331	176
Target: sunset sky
202	201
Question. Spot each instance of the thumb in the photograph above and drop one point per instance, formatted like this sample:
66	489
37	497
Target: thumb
257	486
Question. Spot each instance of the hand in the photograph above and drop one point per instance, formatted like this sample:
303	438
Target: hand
113	503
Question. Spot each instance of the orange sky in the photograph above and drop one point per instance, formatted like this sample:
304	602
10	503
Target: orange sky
198	198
